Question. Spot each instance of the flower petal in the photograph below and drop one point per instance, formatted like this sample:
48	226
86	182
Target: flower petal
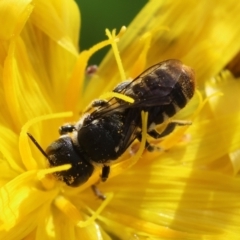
13	14
23	95
194	201
49	16
20	199
201	35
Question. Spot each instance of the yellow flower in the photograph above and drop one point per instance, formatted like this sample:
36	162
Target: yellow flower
190	191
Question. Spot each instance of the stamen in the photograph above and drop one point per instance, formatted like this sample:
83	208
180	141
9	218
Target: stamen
68	208
95	214
116	53
43	172
139	153
24	147
140	63
203	102
73	213
49	182
76	81
174	138
121	32
116	95
120	167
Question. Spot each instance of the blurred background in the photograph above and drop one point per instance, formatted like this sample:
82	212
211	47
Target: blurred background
97	15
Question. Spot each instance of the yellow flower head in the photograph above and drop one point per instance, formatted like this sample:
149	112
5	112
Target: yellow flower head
190	190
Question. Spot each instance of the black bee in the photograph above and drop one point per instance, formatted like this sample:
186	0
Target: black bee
109	127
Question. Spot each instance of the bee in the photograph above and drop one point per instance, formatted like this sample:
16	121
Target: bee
106	131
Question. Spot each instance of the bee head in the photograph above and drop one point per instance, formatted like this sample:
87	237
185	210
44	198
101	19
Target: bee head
62	151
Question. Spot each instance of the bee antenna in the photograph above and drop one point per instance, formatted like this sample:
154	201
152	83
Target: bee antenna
37	145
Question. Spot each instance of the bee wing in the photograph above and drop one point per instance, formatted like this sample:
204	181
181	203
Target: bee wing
151	88
131	129
121	106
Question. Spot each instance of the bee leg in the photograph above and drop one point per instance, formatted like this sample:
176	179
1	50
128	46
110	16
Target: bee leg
105	173
97	192
97	103
170	128
181	122
152	148
149	146
104	177
68	128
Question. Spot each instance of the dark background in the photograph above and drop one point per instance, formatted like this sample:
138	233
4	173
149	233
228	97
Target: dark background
97	15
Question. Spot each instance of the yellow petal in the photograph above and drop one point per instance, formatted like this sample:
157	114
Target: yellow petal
189	200
200	37
10	160
49	17
22	93
229	86
14	15
20	199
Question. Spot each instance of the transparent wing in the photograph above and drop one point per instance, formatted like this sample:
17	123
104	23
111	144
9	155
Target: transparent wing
151	88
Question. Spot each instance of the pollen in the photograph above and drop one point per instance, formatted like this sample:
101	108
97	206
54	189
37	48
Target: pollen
189	190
